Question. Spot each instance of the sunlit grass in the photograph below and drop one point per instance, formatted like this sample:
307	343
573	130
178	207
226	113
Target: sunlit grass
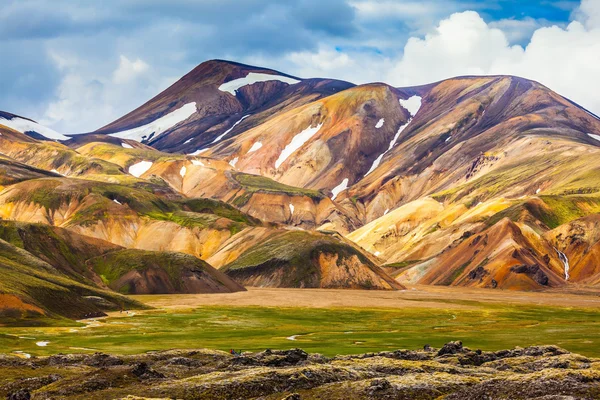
329	331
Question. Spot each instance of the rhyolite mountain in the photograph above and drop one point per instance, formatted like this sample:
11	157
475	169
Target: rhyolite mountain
484	181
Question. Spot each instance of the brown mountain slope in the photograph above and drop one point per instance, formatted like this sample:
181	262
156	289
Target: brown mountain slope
260	197
469	127
105	265
205	228
216	109
323	143
502	256
304	260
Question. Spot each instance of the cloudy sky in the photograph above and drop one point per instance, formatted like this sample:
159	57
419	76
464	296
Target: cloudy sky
76	65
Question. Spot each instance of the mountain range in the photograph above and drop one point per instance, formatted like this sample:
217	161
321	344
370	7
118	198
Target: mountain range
244	176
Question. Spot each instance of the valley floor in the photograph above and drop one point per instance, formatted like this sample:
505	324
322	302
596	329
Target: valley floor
330	322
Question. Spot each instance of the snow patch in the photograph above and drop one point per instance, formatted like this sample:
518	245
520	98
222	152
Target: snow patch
538	191
43	343
291	208
565	260
159	125
597	137
392	143
138	169
387	210
412	104
255	147
233	162
380	123
24	125
376	254
297	142
376	163
117	201
293	337
187	141
449	139
222	135
254	77
197	152
196	162
127	146
182	171
339	188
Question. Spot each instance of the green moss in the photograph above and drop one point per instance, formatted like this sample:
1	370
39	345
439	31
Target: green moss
112	266
37	283
204	205
296	248
257	183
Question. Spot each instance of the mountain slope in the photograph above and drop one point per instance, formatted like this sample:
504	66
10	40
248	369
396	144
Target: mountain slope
211	100
307	260
31	291
489	181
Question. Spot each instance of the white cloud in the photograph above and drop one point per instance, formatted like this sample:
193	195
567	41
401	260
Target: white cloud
129	70
518	30
90	95
564	59
589	13
389	9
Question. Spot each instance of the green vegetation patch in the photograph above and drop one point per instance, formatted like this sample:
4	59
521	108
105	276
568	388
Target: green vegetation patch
112	266
257	183
330	331
221	209
294	247
552	211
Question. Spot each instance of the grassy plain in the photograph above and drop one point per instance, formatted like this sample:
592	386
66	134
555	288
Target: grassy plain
331	322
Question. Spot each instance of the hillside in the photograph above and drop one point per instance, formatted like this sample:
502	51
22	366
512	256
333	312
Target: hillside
487	181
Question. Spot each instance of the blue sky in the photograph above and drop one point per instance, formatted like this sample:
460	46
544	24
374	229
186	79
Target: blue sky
77	65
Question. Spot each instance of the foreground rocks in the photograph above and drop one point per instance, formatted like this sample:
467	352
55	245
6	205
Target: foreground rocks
452	372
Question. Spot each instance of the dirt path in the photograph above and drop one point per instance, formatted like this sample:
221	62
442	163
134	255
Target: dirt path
418	297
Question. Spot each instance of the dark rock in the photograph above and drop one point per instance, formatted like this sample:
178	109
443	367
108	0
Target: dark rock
19	395
451	348
273	358
378	385
478	273
534	271
546	259
494	284
184	361
102	360
143	371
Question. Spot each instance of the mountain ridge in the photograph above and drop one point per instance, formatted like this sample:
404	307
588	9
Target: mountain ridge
484	181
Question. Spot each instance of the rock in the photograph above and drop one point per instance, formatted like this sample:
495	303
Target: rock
274	358
378	385
142	371
19	395
102	360
451	348
293	396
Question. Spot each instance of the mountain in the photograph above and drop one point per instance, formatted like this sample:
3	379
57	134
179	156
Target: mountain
215	99
29	127
274	180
